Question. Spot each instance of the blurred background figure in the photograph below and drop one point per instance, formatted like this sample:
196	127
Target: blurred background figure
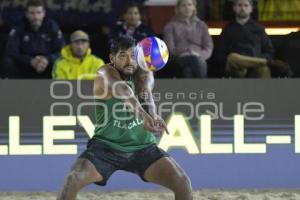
77	61
131	23
244	47
1	51
229	15
288	50
33	45
188	41
274	10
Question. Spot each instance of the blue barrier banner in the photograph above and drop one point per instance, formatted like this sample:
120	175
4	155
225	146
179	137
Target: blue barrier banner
70	13
224	133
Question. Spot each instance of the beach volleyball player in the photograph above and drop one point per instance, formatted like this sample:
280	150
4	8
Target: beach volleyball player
125	144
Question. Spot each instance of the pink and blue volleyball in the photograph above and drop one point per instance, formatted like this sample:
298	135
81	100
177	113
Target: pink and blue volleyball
151	54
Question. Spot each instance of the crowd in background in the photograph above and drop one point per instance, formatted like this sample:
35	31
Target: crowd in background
264	10
36	47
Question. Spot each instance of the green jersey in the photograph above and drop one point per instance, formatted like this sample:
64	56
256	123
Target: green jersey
118	128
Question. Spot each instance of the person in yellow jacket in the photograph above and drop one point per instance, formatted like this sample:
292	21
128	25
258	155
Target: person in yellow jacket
77	61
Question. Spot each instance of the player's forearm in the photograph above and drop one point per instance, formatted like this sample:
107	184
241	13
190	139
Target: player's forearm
152	110
124	92
146	85
136	107
150	104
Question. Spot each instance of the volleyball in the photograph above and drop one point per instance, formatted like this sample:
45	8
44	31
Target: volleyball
151	54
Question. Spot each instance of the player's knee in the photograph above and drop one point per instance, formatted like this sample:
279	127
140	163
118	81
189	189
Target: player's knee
75	179
182	184
186	182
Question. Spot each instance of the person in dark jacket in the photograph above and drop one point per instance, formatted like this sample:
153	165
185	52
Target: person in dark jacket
33	45
244	47
228	13
131	24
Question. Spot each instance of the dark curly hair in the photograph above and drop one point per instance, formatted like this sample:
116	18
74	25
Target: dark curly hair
121	43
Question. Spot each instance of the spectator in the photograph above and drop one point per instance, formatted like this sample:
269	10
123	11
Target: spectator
274	10
244	48
131	24
77	61
33	45
1	47
229	15
188	41
288	50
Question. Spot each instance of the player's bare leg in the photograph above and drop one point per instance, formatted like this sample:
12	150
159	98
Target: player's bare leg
82	173
168	173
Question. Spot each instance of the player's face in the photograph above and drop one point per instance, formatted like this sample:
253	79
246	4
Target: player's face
132	17
125	61
242	9
79	48
187	8
35	15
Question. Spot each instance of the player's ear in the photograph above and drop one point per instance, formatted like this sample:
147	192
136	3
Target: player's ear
111	58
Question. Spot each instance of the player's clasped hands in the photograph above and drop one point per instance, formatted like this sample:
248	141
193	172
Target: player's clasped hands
155	124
